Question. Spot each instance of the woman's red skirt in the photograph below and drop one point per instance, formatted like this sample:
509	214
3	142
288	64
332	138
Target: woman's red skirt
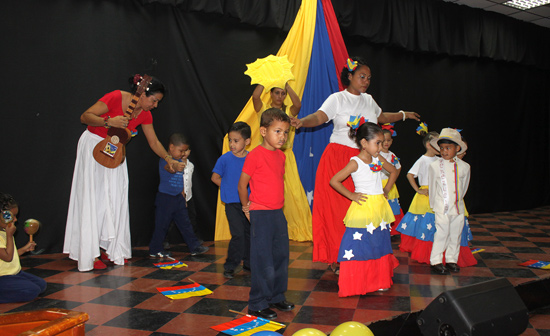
329	206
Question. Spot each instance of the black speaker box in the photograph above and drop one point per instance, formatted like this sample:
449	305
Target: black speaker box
488	308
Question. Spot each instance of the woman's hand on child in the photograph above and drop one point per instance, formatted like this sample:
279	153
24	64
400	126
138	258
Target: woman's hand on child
358	197
296	122
177	166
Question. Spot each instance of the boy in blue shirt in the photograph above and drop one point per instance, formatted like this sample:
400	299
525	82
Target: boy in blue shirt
170	203
226	175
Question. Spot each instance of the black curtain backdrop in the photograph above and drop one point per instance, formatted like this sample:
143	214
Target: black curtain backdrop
456	66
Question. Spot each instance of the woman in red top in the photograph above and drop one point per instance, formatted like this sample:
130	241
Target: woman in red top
98	214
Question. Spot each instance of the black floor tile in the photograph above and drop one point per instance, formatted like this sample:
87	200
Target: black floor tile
326	286
428	290
520	239
43	303
401	278
497	256
296	297
526	250
172	275
323	315
107	281
478	243
463	281
42	273
384	302
513	272
303	273
216	307
122	298
142	319
26	261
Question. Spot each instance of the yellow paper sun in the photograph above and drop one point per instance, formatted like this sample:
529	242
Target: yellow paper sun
271	71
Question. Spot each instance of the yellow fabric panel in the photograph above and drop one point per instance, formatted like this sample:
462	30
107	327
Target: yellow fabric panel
393	194
297	47
420	204
375	210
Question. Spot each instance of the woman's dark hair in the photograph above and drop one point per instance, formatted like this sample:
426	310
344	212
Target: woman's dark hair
366	131
7	201
156	86
242	128
345	71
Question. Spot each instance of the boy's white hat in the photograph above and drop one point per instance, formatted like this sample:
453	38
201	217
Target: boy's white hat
450	134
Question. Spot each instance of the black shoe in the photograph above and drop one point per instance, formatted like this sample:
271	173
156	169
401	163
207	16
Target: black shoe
264	313
282	306
229	274
200	250
453	267
439	269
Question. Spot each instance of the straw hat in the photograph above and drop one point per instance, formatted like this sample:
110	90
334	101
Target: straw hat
450	134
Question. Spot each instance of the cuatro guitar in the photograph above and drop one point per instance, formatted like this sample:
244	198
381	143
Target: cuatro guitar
111	151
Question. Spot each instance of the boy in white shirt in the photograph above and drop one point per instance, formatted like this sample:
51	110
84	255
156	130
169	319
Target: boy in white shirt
448	179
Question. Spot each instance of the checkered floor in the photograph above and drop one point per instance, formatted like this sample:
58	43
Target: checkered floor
123	300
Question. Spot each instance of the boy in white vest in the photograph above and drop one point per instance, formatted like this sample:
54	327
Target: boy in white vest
448	178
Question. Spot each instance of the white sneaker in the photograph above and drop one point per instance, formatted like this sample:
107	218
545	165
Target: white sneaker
162	255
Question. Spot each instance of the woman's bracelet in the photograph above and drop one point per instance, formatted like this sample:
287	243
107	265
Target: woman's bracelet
168	156
404	115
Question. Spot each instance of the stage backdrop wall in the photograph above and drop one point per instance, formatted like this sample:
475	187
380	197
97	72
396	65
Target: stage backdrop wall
60	56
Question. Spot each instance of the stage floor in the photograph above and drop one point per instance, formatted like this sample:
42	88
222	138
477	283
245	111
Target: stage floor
123	300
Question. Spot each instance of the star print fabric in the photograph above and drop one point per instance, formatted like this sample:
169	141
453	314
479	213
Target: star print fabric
367	234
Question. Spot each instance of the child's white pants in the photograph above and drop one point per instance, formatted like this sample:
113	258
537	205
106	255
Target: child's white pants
447	238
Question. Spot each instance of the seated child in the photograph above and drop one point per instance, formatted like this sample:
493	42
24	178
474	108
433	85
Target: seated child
15	284
170	204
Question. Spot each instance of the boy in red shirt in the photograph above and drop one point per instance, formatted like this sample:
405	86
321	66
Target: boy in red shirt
269	248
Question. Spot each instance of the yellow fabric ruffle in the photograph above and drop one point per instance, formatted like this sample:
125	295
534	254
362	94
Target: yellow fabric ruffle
393	194
420	203
297	47
375	210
